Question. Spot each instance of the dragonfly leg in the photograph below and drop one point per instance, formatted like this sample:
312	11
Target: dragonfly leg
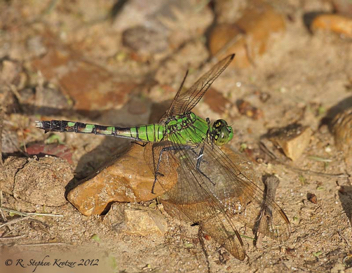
209	133
139	143
199	160
164	149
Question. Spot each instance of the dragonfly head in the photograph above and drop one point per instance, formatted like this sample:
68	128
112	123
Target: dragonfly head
221	132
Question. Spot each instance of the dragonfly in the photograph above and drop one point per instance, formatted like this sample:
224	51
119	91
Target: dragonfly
212	189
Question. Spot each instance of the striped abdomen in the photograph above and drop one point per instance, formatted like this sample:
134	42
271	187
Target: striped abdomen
149	133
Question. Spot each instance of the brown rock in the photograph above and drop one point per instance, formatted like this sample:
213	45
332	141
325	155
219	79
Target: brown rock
43	181
333	22
129	179
91	86
135	220
229	36
293	139
101	91
249	36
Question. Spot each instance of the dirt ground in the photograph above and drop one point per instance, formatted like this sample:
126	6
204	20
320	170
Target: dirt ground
76	60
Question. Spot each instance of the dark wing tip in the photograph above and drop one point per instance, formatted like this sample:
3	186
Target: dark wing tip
227	60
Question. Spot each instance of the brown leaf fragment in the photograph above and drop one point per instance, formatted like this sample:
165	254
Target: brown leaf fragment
271	183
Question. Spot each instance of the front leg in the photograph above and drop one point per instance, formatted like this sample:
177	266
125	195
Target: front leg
158	164
199	160
210	133
142	144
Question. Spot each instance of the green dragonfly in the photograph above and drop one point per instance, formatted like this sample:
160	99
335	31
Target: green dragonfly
209	182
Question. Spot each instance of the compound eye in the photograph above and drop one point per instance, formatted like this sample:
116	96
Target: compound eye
218	123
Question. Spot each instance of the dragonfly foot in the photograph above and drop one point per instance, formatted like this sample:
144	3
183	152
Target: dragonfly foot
157	173
155	178
139	143
152	191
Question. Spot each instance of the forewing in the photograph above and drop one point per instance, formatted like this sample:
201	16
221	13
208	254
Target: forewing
185	100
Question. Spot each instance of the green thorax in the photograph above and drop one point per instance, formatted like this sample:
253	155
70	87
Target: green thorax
186	129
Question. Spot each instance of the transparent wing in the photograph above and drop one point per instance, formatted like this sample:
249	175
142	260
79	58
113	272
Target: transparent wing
219	189
234	184
186	100
192	197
